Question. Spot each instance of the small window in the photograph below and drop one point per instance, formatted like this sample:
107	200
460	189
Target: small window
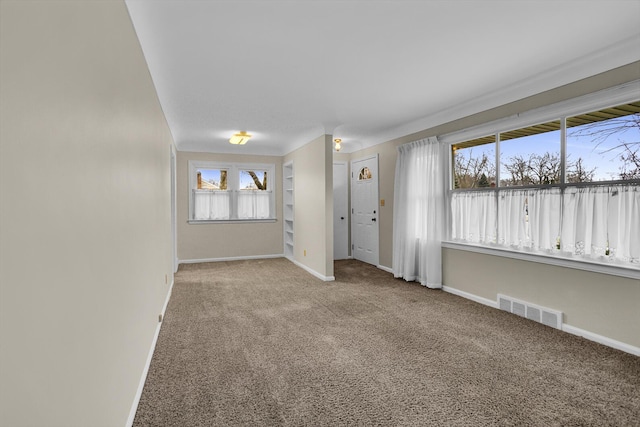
604	145
531	155
223	192
365	174
253	180
211	179
254	199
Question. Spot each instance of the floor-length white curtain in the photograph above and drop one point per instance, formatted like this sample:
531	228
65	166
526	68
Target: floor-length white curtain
210	205
419	211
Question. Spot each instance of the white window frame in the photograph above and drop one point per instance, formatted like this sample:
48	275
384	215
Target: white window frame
628	92
233	186
625	93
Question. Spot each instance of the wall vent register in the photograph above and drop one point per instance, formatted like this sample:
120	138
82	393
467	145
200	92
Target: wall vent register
544	315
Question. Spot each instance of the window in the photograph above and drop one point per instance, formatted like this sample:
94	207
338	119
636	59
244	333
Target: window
254	196
531	155
211	197
364	174
474	163
604	145
568	186
230	191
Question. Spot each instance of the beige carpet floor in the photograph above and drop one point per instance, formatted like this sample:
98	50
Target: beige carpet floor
262	342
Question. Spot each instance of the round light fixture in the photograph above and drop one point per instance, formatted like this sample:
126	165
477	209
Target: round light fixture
240	138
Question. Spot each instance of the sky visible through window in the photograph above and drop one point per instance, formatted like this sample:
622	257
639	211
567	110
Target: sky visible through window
527	147
597	144
599	151
211	175
247	182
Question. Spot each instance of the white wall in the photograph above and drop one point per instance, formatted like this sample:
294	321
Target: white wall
313	196
596	303
313	223
601	304
215	241
85	229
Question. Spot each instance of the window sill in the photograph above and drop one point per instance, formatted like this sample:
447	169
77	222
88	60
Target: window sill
229	221
614	268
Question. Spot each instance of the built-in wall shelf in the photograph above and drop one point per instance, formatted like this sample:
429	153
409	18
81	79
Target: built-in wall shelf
289	209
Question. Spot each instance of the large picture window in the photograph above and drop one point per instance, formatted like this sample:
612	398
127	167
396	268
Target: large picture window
569	186
230	191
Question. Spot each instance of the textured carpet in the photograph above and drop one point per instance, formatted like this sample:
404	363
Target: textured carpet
264	343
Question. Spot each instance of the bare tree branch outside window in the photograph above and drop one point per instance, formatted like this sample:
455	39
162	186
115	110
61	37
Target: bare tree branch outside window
260	185
473	171
627	151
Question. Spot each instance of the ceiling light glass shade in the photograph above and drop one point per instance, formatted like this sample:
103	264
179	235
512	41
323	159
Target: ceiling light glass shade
337	141
240	138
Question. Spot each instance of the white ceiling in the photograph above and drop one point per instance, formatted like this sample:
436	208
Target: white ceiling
364	71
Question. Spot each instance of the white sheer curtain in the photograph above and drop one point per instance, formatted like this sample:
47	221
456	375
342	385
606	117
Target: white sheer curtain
544	218
602	221
596	221
253	204
210	205
623	225
419	211
513	221
473	216
529	218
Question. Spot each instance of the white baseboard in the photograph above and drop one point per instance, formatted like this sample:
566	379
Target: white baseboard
472	297
145	372
383	268
600	339
310	270
609	342
235	258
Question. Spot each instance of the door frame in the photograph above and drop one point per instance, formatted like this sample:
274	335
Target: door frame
377	189
347	206
174	212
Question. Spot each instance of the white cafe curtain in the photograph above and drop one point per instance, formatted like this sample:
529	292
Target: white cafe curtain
593	222
529	218
254	204
602	221
419	211
210	205
473	216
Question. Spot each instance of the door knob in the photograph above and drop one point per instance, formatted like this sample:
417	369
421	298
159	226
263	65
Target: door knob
341	217
373	219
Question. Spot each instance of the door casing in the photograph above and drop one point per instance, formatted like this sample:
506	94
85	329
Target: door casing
340	210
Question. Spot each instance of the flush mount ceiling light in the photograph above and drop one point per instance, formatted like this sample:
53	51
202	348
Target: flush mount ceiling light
337	141
240	138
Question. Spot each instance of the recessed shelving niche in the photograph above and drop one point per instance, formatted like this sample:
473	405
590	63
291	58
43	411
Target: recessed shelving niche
288	211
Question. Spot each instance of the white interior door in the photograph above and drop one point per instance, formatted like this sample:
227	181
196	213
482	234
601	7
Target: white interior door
364	209
340	211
